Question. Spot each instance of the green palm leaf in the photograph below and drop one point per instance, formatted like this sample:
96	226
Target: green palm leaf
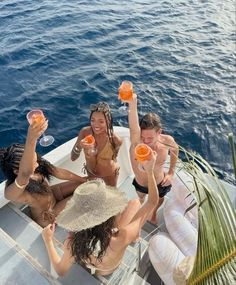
215	261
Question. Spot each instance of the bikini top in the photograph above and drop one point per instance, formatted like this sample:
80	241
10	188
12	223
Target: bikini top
107	153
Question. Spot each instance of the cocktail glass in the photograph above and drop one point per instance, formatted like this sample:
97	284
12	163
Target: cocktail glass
125	93
38	116
90	142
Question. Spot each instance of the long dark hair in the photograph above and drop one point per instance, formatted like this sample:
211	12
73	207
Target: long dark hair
104	108
10	158
93	241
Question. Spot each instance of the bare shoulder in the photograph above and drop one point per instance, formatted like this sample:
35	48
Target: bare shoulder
84	132
168	140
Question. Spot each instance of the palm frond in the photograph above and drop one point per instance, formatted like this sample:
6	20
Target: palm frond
215	261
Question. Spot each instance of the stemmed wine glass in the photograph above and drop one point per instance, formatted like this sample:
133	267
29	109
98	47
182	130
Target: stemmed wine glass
125	93
89	141
38	116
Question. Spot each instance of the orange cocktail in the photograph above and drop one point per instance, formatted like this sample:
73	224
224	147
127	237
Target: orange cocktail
142	152
35	116
38	117
125	91
89	140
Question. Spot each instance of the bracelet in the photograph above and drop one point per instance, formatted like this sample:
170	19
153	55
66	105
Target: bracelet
76	150
20	186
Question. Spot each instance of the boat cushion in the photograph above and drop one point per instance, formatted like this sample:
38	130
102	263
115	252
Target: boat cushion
164	256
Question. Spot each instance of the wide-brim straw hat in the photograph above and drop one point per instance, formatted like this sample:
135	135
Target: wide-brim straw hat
92	203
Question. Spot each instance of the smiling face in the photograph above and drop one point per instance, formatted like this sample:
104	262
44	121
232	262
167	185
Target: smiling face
150	137
98	123
150	126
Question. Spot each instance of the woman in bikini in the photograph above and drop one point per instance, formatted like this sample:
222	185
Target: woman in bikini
101	224
28	176
103	162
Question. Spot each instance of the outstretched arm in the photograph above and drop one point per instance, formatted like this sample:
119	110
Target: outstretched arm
133	229
27	163
133	121
65	174
60	264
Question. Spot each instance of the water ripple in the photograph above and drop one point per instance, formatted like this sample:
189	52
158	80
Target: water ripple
61	56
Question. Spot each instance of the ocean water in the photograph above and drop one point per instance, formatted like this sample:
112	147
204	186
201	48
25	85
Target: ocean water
61	56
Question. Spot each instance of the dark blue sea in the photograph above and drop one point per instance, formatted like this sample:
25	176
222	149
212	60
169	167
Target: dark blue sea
61	56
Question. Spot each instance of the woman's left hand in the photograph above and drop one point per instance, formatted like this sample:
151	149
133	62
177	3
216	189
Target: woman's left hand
48	232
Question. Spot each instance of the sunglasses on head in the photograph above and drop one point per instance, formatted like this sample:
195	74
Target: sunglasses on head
100	107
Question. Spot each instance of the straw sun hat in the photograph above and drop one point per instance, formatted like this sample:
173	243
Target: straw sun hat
92	203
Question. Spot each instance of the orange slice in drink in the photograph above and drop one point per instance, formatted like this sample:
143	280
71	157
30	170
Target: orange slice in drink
142	152
125	91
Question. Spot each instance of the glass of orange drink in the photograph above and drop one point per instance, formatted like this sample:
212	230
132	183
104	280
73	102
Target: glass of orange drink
142	152
125	93
37	116
90	142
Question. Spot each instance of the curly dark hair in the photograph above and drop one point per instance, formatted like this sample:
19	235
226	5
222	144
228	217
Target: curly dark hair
105	109
93	241
10	158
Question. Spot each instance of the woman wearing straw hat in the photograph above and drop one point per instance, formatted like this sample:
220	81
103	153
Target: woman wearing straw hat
102	223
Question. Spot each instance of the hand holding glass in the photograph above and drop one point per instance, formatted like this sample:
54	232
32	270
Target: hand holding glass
125	93
89	141
38	116
142	152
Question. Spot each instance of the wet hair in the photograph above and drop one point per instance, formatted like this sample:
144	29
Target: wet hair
104	108
93	241
10	158
150	121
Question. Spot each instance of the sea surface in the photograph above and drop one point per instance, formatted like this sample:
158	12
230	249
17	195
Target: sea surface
61	56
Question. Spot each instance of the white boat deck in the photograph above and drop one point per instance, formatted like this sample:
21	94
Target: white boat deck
23	258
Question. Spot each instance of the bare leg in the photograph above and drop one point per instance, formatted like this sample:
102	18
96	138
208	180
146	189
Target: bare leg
153	218
61	205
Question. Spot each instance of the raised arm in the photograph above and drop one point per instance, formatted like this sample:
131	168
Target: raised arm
133	121
133	229
27	163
